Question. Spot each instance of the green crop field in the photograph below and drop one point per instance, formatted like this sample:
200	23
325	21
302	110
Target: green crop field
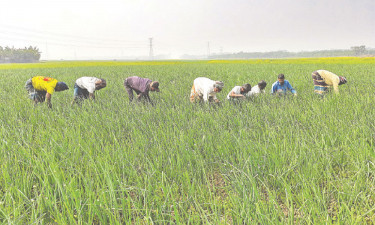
267	160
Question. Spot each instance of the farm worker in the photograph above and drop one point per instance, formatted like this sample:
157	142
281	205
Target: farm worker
281	86
41	88
239	92
205	89
141	86
257	89
85	88
324	80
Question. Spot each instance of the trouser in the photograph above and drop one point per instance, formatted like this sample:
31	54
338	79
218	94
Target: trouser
320	86
129	89
80	93
39	96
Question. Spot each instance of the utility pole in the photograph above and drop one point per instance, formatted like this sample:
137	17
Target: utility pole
46	51
208	50
151	50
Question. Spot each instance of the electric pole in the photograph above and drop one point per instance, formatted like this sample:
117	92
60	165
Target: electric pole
46	51
208	50
151	50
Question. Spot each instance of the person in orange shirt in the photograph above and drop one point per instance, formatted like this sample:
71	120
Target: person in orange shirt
41	88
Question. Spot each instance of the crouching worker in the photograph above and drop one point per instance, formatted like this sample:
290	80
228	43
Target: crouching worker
141	86
239	92
41	88
257	89
281	86
205	89
325	80
85	88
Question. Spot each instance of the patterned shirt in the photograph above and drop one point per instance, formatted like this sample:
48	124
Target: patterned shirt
324	79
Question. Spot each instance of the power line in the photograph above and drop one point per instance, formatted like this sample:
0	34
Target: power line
61	35
59	43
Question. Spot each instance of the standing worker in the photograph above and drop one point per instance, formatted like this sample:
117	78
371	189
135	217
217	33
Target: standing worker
41	88
257	89
324	80
141	86
281	86
85	88
239	92
205	89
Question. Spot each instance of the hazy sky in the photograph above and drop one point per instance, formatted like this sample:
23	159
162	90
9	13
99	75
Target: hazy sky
107	29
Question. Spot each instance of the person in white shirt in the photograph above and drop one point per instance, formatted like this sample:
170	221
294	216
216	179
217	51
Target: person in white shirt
205	89
85	88
257	89
239	92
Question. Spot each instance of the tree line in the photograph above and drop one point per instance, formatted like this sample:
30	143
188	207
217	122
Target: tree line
353	51
19	55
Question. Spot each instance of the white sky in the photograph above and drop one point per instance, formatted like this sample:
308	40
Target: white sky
108	29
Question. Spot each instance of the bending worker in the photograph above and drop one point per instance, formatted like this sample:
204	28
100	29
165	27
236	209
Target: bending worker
41	88
239	92
281	86
324	80
257	89
141	86
205	89
85	88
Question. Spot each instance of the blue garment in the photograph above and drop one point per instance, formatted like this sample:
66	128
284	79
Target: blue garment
80	92
277	88
320	89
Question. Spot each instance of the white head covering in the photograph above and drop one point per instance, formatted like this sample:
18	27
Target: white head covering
219	84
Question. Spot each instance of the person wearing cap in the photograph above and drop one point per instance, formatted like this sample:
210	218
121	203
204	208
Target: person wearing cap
205	89
282	86
325	80
141	86
85	87
239	92
41	88
257	89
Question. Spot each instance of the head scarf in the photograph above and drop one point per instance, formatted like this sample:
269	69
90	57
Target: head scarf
342	80
219	84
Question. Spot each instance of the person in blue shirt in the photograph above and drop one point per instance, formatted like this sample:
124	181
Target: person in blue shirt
281	86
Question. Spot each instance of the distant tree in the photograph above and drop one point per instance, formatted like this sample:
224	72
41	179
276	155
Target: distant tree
13	55
358	50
